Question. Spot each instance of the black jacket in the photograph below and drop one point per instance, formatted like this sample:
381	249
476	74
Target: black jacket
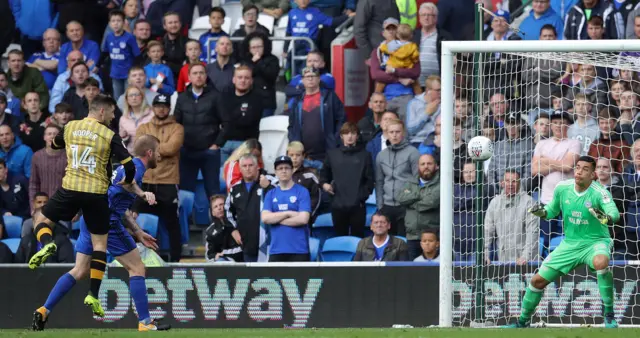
243	211
200	118
367	129
350	171
80	107
265	71
307	178
239	47
218	239
240	116
175	54
29	246
395	251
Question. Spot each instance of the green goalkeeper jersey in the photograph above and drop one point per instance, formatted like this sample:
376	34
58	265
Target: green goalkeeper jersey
578	223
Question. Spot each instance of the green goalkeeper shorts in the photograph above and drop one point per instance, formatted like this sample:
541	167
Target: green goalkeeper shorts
568	256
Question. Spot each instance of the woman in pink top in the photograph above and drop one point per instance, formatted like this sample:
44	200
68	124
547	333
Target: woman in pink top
136	112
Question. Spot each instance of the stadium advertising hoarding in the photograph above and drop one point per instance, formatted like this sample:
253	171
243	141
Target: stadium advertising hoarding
305	297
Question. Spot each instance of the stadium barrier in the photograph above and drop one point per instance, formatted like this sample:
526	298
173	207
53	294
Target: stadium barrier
322	295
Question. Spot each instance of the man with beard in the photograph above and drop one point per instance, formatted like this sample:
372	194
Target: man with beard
422	201
164	179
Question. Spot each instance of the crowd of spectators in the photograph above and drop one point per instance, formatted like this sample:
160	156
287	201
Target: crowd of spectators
542	114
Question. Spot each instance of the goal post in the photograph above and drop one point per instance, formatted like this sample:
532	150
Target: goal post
599	53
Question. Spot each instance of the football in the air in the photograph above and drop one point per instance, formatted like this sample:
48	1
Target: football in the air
480	148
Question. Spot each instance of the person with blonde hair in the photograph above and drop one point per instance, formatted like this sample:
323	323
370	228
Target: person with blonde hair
304	176
231	169
136	112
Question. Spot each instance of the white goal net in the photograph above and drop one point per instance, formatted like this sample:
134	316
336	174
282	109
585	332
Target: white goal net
543	103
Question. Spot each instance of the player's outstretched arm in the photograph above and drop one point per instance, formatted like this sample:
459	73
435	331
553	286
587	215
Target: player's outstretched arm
133	188
538	210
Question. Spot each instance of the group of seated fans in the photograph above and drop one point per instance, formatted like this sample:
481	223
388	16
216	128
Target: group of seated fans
377	179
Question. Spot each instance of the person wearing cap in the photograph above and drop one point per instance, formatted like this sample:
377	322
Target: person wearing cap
554	159
287	209
514	152
315	118
367	26
500	29
164	179
541	14
429	38
398	89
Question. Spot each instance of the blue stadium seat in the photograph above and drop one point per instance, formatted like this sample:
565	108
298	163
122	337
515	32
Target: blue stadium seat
554	242
76	226
185	209
314	247
339	249
148	223
12	243
13	226
372	199
402	238
322	229
201	203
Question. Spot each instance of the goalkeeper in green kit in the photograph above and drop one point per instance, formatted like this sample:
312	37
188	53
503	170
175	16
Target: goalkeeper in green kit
587	211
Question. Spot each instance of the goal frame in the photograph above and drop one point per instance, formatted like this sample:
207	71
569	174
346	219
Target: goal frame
448	50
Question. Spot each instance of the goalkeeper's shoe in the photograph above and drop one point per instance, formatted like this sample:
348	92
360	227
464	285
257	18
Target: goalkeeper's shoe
94	304
610	321
39	319
518	325
538	210
600	216
42	255
154	325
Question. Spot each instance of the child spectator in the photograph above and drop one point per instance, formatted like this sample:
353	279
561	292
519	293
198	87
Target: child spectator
430	244
305	21
159	75
216	19
306	177
399	53
222	239
122	48
61	115
194	55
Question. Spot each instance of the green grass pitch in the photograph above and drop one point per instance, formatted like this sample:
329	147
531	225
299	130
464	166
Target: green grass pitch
334	333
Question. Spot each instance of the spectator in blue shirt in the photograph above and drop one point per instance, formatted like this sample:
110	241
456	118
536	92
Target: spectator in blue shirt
156	68
33	18
216	19
541	14
90	49
305	21
562	7
16	155
122	48
47	62
287	208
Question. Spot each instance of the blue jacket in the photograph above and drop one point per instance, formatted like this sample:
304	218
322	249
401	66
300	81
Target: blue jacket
530	26
89	49
168	86
331	114
341	4
18	158
374	147
562	7
33	17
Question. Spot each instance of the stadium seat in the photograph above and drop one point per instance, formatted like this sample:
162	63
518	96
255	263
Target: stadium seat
264	19
314	247
372	198
201	203
13	226
274	139
281	100
185	209
279	31
402	238
12	243
554	242
76	226
322	228
148	223
339	249
198	27
233	12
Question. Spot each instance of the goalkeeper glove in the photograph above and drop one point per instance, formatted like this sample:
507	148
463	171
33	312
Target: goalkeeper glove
538	210
600	216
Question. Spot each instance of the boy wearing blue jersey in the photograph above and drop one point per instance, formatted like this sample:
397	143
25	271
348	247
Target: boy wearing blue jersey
120	242
155	51
287	208
122	48
216	19
305	21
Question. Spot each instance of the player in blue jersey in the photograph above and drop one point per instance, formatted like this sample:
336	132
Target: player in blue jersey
120	242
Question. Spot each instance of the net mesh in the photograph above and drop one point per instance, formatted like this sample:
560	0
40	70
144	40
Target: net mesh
498	246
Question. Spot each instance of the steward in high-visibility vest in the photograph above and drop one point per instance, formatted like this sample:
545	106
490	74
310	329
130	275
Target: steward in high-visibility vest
408	12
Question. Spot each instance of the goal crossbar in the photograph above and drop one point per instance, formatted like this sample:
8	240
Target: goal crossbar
448	51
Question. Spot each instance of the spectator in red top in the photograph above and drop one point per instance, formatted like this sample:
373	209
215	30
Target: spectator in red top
193	56
47	166
610	145
231	171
